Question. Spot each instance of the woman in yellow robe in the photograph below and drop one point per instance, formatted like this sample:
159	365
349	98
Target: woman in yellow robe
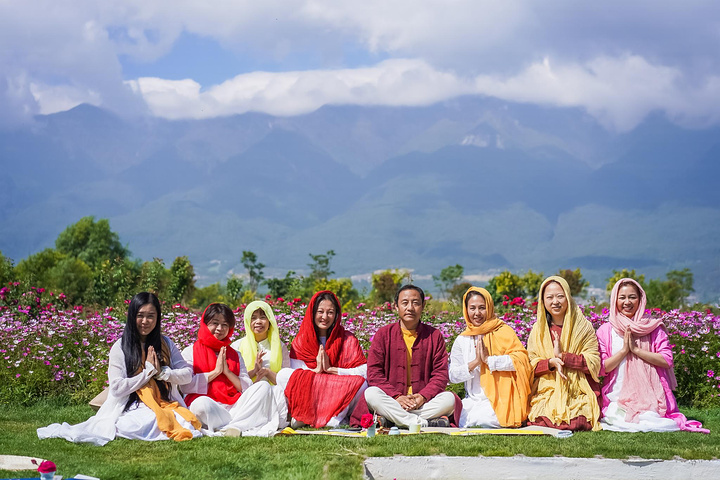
489	358
564	354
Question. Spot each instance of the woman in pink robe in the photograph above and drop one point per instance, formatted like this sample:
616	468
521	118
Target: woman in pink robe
637	363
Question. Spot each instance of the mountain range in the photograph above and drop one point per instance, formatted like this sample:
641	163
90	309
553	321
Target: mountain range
487	184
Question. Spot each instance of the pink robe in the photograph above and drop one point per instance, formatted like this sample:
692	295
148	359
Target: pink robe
658	344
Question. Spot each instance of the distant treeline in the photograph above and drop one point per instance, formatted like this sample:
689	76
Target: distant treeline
90	266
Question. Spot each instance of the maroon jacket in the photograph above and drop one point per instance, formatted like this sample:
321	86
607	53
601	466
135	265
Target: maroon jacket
387	364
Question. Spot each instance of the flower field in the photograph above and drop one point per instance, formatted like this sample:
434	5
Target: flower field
48	348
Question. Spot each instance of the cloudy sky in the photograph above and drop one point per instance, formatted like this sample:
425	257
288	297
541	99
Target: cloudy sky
618	60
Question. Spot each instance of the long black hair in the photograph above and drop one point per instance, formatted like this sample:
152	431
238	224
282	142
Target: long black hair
332	299
131	343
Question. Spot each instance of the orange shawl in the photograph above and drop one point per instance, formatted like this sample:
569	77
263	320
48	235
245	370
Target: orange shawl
508	392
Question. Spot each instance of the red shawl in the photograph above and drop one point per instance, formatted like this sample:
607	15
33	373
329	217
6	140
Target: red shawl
205	352
314	398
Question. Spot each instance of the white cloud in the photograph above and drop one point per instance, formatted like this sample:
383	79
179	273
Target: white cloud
392	82
619	92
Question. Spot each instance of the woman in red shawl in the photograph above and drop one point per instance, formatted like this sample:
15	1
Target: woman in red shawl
329	367
222	395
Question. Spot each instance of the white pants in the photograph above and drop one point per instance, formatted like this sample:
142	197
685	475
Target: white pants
255	414
383	404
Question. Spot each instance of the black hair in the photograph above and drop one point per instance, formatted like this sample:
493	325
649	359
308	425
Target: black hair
410	286
333	299
131	343
215	309
470	294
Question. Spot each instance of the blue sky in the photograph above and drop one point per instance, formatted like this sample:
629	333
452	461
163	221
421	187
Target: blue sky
617	60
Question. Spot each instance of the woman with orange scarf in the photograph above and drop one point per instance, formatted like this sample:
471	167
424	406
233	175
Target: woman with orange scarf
330	367
222	396
144	371
564	354
490	359
637	363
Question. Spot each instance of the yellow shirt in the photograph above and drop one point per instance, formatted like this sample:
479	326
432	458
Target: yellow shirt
409	336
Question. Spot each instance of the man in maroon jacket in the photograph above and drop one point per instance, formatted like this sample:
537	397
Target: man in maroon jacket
408	368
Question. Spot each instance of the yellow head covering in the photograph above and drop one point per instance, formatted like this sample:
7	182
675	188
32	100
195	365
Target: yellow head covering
248	344
553	397
491	321
508	392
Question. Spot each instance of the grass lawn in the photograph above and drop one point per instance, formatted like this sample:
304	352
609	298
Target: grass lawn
309	456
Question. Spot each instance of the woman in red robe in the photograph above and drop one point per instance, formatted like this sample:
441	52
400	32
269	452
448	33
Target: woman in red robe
329	367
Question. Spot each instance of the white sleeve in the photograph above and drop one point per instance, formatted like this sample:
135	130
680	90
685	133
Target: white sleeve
245	379
180	372
360	371
459	372
199	382
119	383
501	363
296	364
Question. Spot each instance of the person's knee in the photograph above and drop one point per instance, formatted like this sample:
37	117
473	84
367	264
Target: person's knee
373	395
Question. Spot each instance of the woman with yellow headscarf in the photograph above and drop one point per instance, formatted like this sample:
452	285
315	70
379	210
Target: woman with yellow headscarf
263	352
489	358
564	354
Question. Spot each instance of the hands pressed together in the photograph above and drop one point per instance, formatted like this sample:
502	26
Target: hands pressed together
153	358
323	362
556	362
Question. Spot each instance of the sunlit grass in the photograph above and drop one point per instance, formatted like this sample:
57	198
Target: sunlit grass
312	456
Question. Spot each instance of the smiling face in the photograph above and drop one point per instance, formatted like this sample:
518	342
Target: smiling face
260	325
476	310
325	316
555	301
410	306
628	300
219	327
146	320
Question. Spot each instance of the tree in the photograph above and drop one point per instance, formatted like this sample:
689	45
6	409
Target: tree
234	288
74	277
385	284
457	291
506	283
90	241
280	287
624	273
320	266
684	280
448	277
254	270
531	282
575	280
6	270
154	277
182	279
342	287
35	269
671	293
115	281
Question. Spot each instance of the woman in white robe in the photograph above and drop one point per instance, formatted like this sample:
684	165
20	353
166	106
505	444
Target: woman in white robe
262	349
123	414
222	395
